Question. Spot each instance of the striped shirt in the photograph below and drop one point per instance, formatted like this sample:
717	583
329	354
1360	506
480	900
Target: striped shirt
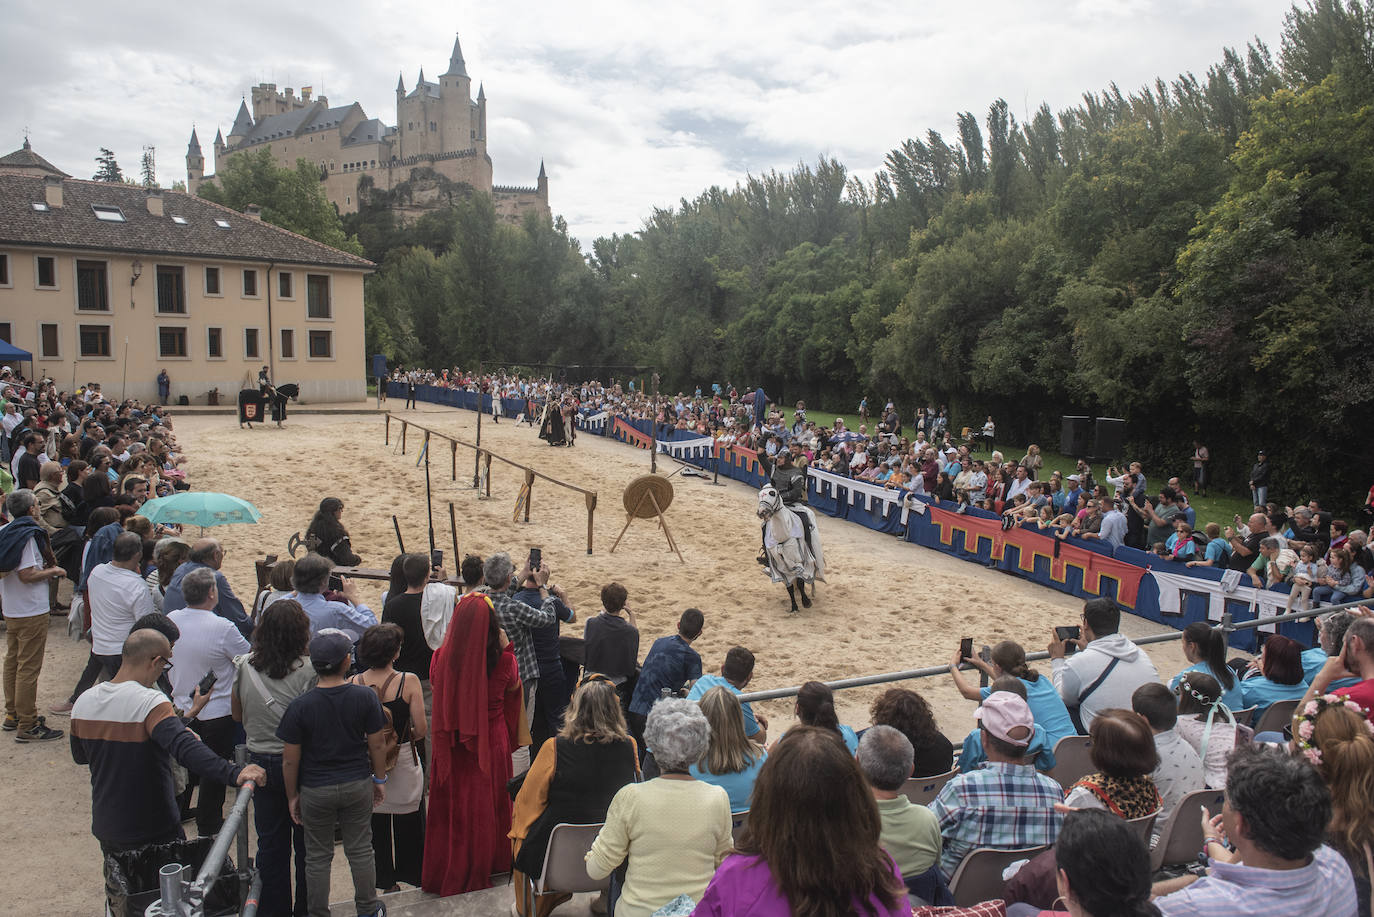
129	734
1000	805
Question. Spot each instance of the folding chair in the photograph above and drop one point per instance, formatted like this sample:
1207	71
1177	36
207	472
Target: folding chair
737	823
565	866
923	790
1181	838
1143	826
1279	715
1072	760
979	876
1243	717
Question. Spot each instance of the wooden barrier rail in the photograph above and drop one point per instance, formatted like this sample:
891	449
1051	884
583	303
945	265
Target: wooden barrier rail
485	456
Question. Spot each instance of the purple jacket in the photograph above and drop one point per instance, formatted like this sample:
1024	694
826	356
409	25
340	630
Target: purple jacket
744	885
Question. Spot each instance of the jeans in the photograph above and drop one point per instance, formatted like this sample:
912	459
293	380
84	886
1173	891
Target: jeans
277	837
98	668
25	641
349	806
1261	495
218	735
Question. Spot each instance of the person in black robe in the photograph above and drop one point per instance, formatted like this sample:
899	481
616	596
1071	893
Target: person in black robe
551	427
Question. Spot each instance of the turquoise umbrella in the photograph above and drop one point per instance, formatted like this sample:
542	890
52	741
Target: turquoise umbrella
202	508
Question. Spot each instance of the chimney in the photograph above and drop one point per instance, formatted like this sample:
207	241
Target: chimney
253	212
52	190
155	201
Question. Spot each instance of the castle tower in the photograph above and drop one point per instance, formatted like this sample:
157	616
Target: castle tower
220	147
542	186
400	90
243	125
195	162
482	115
457	124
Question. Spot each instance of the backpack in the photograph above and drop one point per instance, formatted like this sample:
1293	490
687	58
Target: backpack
391	741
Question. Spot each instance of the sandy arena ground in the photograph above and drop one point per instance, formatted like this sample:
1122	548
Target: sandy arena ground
887	606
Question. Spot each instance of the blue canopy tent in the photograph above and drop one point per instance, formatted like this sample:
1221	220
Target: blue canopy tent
11	354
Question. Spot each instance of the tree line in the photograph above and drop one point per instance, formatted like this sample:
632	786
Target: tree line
1192	256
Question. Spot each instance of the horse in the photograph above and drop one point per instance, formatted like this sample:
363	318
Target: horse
280	395
791	545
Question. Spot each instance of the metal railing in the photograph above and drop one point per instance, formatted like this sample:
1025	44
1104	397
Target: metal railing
1227	625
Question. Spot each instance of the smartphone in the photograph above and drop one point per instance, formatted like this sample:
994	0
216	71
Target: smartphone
1069	633
966	648
436	559
536	558
207	682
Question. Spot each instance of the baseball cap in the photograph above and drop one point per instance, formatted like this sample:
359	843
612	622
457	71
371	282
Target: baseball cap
1074	477
1004	715
329	647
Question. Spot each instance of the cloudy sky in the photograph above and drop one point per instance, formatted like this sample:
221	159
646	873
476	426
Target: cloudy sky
631	105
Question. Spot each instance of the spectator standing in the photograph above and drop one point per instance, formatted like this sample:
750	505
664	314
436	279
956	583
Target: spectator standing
164	386
311	578
26	566
553	692
1259	481
732	761
910	833
1180	770
169	554
1201	456
735	674
1275	816
405	608
266	681
1106	671
334	771
119	597
612	641
208	646
128	733
671	665
208	552
1006	803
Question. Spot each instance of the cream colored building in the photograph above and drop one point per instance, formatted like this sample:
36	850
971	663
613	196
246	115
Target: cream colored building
439	126
98	280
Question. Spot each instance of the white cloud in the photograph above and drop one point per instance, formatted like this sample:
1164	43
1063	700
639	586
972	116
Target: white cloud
632	106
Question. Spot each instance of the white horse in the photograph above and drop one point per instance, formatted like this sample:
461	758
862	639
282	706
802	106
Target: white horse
791	545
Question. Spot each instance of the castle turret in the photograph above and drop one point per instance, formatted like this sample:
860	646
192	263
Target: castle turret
219	145
243	125
481	113
459	129
542	185
400	88
195	162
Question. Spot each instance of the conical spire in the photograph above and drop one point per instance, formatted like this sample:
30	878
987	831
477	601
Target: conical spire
481	92
541	169
219	137
243	121
456	66
193	148
422	77
400	82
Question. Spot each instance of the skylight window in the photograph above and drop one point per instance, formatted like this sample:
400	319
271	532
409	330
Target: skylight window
108	214
39	206
180	221
222	224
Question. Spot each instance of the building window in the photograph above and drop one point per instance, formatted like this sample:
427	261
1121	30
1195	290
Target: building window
250	344
285	282
95	340
108	214
49	340
4	270
45	272
432	126
212	281
288	344
171	342
5	334
92	287
321	345
250	283
317	296
214	343
171	289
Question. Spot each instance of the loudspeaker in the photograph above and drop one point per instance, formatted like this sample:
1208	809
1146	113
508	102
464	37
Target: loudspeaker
1108	440
1073	436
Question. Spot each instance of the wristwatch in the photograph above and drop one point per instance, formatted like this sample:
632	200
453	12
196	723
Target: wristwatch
379	780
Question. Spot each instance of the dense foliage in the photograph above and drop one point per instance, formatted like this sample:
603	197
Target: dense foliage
1193	256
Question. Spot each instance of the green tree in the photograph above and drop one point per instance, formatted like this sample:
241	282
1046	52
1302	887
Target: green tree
108	169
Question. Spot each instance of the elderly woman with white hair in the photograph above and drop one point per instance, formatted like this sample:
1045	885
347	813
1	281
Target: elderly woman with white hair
673	830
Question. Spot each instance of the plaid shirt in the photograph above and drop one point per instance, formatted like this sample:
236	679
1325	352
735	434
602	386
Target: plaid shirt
516	620
1000	805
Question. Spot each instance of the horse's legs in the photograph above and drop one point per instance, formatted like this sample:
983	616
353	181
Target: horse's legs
806	602
792	594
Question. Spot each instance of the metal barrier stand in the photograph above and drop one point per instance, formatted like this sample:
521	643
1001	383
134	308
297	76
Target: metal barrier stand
1226	624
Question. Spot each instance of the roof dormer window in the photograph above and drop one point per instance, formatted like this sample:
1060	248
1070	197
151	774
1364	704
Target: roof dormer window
222	224
40	207
108	214
180	221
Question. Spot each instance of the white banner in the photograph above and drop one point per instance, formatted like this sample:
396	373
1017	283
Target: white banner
594	422
693	448
1172	586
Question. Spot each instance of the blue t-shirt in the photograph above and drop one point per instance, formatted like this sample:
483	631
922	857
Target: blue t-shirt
1232	698
707	682
739	785
851	739
1218	550
1261	692
331	725
972	756
1047	707
1312	662
671	663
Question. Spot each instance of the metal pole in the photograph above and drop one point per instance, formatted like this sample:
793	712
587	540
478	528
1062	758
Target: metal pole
209	870
169	887
241	759
653	431
124	384
429	502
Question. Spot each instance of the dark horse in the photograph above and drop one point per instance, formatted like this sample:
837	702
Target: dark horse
279	396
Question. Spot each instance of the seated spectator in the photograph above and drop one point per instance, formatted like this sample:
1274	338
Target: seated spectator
671	666
1123	751
1205	647
1276	814
1039	750
816	707
735	675
1277	675
910	834
1179	771
612	641
1343	581
1106	671
278	582
208	553
908	713
1336	738
1357	656
732	761
1005	804
327	535
170	554
572	781
311	577
1102	870
1009	658
672	831
1205	723
812	843
1331	630
1218	550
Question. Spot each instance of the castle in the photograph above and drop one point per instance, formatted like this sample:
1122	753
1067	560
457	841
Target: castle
438	127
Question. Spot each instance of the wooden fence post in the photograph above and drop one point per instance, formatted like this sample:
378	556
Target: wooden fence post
403	436
591	509
388	428
453	458
529	495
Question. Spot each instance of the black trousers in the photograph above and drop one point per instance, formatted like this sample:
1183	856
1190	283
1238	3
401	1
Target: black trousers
218	735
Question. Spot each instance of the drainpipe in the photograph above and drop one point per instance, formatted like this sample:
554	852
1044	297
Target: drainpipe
271	349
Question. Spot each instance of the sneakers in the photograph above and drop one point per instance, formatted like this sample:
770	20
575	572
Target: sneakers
62	709
39	733
11	724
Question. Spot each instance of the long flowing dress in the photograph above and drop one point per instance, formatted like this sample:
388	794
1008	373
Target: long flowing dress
476	719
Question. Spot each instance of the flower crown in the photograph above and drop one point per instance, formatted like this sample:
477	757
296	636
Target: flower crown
1305	723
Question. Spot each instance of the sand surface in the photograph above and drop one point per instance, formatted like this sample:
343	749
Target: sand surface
888	605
